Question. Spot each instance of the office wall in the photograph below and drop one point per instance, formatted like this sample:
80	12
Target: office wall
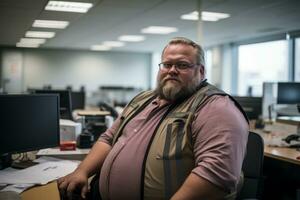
223	67
216	68
228	68
91	69
12	71
156	59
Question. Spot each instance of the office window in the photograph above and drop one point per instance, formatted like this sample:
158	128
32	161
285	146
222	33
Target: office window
261	62
297	59
208	64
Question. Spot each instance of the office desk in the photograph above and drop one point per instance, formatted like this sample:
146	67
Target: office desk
78	154
281	153
281	166
45	192
92	113
50	190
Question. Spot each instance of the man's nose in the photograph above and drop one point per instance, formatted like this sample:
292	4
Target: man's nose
173	69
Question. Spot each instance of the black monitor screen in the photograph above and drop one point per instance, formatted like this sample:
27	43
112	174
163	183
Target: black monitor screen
251	105
64	99
28	122
78	100
288	93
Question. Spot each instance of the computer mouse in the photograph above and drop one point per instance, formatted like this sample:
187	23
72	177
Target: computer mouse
295	146
291	137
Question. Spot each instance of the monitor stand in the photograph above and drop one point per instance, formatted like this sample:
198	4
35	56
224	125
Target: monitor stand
5	161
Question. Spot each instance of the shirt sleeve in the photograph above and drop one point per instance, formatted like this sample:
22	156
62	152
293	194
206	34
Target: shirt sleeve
108	135
220	134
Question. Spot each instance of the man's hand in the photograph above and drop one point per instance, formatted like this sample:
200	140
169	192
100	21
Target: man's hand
74	183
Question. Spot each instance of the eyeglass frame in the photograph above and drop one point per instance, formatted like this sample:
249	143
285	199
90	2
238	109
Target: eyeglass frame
188	66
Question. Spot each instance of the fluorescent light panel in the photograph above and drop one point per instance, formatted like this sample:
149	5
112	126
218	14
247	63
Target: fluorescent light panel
50	24
190	16
211	16
205	16
113	43
39	34
32	40
159	30
68	6
100	48
27	45
131	38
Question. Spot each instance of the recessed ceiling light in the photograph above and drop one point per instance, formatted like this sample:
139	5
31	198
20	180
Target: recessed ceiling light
100	48
214	15
205	16
190	16
67	6
40	34
27	45
131	38
50	24
113	43
159	30
32	40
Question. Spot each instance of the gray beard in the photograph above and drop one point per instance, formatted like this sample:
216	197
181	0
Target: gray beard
172	93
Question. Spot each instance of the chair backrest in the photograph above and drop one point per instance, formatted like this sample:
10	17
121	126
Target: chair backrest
253	168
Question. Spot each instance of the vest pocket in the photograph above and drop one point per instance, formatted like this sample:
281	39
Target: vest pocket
174	156
173	143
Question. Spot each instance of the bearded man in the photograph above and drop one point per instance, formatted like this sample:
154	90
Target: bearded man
184	140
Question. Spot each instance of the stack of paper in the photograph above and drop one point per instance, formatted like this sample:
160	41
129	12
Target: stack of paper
43	173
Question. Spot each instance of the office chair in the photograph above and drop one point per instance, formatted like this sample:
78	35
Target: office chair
253	168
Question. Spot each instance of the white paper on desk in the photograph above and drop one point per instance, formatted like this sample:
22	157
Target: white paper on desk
39	174
19	188
44	159
57	151
4	173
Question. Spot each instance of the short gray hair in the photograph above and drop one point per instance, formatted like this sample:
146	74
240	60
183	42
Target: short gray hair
183	40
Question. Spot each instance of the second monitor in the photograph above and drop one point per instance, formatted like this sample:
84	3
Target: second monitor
251	105
78	99
65	103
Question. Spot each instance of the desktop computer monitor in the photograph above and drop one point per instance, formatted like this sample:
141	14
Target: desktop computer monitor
251	105
288	99
288	93
65	105
28	122
78	99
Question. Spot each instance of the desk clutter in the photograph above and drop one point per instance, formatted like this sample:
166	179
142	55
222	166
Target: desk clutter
69	131
85	130
280	135
78	154
48	169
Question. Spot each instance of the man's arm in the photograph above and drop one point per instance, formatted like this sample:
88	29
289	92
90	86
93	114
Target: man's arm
78	180
220	133
197	188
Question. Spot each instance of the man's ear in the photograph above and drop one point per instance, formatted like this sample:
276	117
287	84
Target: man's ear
202	71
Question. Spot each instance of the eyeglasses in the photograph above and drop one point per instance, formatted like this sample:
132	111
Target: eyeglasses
180	66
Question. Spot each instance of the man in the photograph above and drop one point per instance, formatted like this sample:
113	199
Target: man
185	140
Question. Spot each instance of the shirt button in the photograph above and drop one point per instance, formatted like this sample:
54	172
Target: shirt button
135	130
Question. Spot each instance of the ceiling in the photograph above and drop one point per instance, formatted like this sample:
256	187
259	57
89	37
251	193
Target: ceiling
109	19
